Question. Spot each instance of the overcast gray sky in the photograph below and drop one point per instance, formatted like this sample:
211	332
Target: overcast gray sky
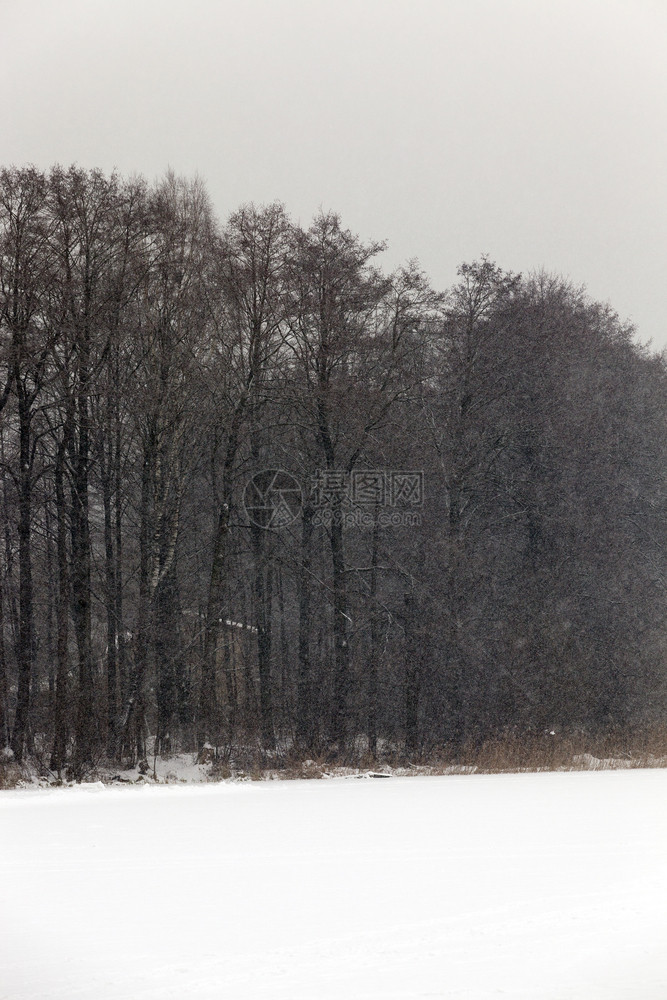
531	130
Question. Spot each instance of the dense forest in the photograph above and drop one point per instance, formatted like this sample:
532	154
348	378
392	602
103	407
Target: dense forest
255	488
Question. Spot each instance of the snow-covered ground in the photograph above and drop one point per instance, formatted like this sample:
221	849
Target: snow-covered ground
526	886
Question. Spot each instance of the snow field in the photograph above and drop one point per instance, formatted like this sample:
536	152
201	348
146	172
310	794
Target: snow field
529	886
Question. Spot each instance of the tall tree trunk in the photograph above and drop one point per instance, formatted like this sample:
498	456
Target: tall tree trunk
4	703
121	656
455	682
60	721
112	624
168	658
374	651
341	692
137	706
80	577
50	659
304	712
9	554
24	653
412	677
341	679
231	687
263	588
208	715
286	710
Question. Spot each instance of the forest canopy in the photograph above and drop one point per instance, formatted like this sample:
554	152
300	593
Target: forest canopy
256	488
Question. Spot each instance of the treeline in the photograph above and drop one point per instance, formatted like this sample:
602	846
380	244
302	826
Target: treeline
466	536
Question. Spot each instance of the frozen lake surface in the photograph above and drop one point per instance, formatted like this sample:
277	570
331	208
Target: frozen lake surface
527	886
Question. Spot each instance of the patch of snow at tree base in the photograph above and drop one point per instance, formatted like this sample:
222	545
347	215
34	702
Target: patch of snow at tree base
533	886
